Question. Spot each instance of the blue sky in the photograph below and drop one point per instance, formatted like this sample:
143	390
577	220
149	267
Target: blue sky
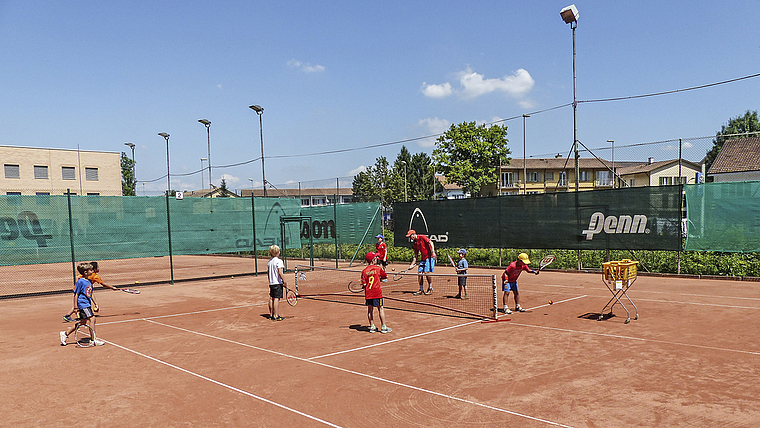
341	75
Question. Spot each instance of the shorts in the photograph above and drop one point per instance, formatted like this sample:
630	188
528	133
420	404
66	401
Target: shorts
383	263
462	281
275	291
85	313
510	286
427	266
378	303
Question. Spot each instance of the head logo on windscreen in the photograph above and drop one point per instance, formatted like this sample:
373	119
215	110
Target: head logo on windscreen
614	225
419	223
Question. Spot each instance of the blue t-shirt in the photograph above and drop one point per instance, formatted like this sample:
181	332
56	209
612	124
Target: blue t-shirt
462	264
83	290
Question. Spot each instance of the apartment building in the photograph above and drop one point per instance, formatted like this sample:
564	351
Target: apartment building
36	171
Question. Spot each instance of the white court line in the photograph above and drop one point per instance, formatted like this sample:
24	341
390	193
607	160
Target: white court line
181	314
639	290
427	391
225	385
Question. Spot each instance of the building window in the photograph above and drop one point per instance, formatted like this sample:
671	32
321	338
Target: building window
633	182
12	171
531	177
43	193
305	202
666	181
602	178
584	176
93	194
91	174
13	193
549	175
41	172
68	173
507	179
563	178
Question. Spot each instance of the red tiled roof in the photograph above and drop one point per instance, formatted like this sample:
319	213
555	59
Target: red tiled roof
738	155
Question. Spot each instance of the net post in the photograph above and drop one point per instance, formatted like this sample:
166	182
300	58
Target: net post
296	280
495	297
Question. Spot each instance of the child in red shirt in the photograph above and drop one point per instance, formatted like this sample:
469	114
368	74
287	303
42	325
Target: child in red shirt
382	251
509	281
372	276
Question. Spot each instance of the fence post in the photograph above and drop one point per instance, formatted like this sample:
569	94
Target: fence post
71	236
253	219
169	229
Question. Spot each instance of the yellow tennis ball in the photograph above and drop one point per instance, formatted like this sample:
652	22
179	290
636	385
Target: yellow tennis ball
231	277
393	268
137	282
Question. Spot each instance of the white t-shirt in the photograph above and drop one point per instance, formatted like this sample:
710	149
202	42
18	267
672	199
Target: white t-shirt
274	264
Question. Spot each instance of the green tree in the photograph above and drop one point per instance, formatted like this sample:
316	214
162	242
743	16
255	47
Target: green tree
127	176
745	125
223	191
416	176
378	183
469	154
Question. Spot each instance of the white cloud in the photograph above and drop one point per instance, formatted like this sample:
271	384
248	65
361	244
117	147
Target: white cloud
229	179
437	91
472	85
305	67
356	171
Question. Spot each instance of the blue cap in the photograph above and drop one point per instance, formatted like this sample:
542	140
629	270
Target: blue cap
462	251
380	236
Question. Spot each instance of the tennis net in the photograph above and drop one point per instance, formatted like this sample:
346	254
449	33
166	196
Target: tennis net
331	284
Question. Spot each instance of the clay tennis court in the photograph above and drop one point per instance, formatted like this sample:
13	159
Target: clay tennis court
202	353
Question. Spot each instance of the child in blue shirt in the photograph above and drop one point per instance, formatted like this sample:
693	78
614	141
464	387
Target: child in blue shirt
83	302
462	272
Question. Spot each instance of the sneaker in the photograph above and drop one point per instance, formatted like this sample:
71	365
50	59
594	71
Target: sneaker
465	296
68	318
63	337
430	290
519	309
372	329
507	311
418	293
278	318
98	342
386	329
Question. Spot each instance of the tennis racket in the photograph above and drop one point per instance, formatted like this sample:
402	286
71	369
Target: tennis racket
452	262
130	290
399	275
546	261
84	336
291	296
355	286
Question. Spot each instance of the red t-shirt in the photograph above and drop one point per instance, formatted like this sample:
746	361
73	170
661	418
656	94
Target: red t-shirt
381	250
371	277
422	247
513	271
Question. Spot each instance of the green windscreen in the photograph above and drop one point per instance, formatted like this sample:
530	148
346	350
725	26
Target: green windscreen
723	217
39	229
629	218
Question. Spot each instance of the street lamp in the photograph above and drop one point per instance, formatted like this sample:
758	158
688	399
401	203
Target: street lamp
525	168
570	15
207	123
168	182
251	180
613	163
260	110
134	177
203	186
404	162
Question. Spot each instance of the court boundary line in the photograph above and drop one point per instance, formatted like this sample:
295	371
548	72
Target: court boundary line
379	379
208	379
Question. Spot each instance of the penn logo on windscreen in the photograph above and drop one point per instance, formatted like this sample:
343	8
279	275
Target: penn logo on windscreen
614	225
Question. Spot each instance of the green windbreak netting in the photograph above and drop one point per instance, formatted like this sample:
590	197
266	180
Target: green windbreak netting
630	218
723	217
356	223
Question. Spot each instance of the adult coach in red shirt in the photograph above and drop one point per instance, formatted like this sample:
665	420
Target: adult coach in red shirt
425	248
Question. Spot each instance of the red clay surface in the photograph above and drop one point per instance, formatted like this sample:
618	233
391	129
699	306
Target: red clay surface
203	354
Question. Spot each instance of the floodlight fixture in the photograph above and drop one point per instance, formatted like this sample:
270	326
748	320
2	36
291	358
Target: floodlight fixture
569	14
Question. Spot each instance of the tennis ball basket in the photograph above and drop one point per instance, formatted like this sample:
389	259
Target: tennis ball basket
618	276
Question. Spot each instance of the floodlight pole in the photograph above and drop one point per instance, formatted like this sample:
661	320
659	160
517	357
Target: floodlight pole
570	15
203	186
525	160
614	177
207	124
260	110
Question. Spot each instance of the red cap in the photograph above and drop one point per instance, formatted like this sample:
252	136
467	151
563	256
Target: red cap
411	232
370	257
